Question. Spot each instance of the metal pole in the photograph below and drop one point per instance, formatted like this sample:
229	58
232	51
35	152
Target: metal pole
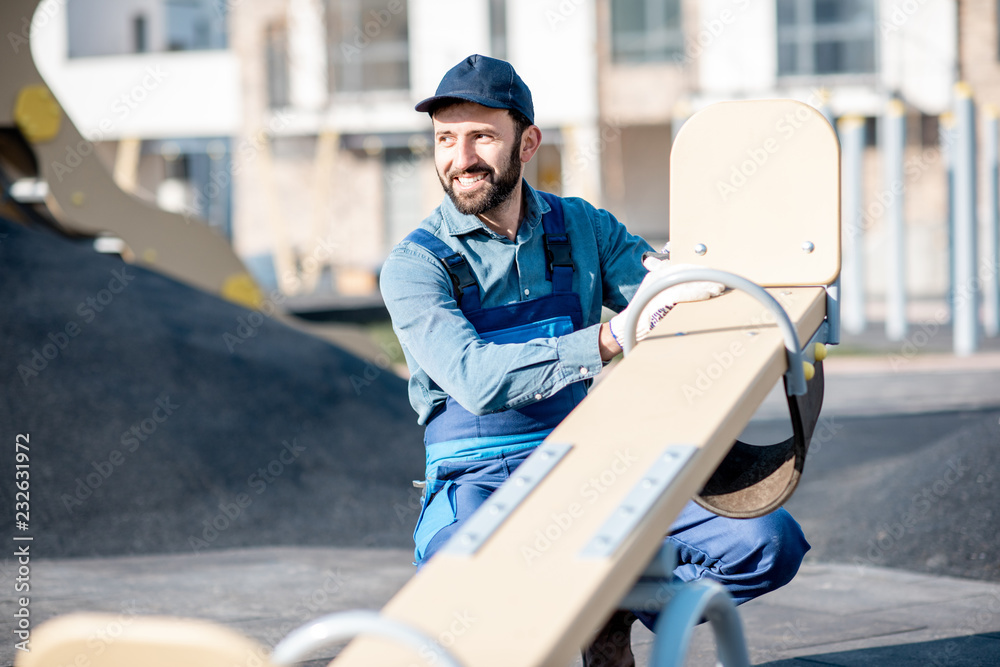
946	135
991	221
891	198
966	301
852	146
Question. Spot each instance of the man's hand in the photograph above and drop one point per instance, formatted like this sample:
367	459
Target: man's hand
661	304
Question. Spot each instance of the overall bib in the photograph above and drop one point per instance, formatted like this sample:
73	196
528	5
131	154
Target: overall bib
469	456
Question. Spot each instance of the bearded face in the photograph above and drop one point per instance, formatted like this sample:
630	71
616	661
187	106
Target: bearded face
477	154
483	187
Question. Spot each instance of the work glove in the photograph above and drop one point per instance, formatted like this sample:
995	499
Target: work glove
658	264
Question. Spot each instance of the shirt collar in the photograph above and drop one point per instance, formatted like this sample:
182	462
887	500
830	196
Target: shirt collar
457	223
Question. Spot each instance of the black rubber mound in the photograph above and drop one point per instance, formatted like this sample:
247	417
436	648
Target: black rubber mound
914	492
162	419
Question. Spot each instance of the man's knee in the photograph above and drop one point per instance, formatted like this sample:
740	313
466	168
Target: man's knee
783	546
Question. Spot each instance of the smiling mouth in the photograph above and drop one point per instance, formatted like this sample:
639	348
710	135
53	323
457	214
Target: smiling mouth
470	180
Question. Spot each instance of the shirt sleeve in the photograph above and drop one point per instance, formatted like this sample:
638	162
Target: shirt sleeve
482	376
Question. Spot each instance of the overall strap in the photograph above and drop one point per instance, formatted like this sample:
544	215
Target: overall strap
558	253
466	287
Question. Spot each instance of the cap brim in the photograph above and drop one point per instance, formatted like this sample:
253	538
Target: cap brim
431	102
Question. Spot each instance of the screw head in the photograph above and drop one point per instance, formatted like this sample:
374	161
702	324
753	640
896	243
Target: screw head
700	249
808	247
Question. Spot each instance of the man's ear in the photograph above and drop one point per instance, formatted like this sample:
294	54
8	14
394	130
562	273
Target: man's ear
531	139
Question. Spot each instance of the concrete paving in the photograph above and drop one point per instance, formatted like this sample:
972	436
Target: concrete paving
828	615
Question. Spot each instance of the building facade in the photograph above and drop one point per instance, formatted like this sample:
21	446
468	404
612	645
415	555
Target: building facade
297	115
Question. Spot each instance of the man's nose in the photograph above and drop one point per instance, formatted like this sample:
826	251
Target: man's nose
465	155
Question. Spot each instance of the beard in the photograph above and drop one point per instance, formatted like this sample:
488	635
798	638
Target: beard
500	184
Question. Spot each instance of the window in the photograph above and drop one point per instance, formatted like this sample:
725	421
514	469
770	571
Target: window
369	45
140	43
822	37
646	30
194	25
276	53
498	29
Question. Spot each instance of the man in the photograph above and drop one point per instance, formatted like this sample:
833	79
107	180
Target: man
496	299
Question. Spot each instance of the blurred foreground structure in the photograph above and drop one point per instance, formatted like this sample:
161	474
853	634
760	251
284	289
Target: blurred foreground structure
289	124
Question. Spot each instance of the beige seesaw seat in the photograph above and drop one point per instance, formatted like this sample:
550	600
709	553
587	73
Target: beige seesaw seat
111	640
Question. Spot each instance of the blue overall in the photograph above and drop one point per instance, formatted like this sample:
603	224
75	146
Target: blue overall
469	456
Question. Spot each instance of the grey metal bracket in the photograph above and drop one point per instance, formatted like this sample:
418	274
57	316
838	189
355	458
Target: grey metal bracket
833	313
796	385
639	501
822	336
484	522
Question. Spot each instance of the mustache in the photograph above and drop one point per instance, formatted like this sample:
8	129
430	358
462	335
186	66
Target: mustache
479	169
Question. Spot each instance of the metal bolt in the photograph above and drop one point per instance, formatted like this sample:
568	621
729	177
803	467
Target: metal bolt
808	247
700	249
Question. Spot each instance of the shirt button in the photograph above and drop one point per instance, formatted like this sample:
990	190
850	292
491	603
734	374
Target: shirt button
538	397
527	292
583	370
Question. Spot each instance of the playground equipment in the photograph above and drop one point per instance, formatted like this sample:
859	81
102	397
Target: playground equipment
754	205
40	142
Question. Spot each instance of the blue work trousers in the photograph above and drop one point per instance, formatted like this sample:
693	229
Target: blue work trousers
749	557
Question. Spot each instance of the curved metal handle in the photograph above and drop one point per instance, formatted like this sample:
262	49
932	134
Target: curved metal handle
646	293
334	628
693	601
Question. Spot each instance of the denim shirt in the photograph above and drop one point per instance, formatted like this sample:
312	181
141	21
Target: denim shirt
444	353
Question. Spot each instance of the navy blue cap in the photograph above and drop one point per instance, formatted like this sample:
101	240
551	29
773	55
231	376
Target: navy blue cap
483	80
